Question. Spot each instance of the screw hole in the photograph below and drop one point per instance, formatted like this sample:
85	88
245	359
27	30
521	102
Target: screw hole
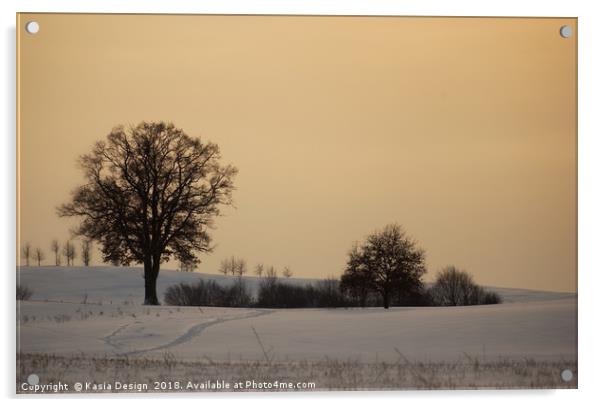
32	27
566	375
566	31
33	379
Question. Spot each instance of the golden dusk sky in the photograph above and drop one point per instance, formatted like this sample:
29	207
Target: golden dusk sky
462	130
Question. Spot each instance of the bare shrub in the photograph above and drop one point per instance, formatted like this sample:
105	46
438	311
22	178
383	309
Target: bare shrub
238	294
272	294
209	293
327	294
23	292
280	294
455	287
491	297
275	294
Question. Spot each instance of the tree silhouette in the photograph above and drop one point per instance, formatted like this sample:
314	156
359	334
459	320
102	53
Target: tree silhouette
86	252
69	252
234	266
26	252
271	273
54	246
387	262
241	268
151	192
258	269
38	254
455	287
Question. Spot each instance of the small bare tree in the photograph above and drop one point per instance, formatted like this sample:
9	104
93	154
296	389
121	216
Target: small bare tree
224	267
69	252
271	273
258	270
241	267
287	272
233	266
86	252
26	252
56	250
39	256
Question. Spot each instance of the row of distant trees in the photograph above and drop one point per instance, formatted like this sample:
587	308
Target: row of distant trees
236	266
68	250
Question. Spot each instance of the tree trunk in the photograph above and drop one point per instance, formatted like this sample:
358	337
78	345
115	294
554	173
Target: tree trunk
386	299
151	272
150	290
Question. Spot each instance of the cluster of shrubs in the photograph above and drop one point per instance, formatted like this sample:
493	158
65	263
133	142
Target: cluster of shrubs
279	294
386	269
272	293
452	288
209	293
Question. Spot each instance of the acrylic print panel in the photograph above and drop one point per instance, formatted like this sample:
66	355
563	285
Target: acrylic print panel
295	203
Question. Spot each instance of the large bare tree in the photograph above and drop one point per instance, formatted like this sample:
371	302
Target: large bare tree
151	192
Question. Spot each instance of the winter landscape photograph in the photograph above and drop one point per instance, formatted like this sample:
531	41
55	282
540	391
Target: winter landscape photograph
295	203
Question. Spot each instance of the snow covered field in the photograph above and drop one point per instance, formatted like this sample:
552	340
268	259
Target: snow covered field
92	316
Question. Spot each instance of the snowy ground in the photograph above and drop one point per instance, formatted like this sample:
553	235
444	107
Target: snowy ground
92	317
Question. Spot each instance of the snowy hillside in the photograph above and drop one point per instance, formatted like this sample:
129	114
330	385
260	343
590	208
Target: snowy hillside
81	317
119	284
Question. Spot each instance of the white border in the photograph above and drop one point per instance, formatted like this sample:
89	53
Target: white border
590	197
